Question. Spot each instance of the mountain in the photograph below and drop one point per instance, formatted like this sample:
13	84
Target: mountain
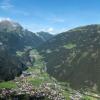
14	37
14	40
15	44
44	35
74	57
10	66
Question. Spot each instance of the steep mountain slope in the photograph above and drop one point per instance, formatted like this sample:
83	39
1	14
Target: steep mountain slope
10	66
74	57
15	44
15	37
45	35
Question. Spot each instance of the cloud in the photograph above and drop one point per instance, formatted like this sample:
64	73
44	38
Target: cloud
6	4
3	18
50	30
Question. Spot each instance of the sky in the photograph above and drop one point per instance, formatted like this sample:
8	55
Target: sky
53	16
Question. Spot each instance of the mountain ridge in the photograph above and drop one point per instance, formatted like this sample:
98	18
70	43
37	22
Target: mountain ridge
75	55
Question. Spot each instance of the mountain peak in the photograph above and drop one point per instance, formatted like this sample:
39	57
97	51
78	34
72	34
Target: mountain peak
9	25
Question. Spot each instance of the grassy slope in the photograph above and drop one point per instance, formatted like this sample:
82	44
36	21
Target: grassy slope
8	84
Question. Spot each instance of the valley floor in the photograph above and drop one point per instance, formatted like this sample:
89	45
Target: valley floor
40	86
36	84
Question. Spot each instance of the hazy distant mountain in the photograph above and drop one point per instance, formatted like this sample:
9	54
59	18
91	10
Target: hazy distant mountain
44	35
74	57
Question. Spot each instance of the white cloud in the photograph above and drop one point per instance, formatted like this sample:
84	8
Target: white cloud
6	4
50	30
3	18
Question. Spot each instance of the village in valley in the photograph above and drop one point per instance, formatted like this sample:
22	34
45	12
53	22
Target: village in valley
34	83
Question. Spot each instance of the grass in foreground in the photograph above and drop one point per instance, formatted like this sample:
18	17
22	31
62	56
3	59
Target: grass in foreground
8	84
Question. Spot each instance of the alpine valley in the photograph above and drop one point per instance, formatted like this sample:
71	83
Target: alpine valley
42	66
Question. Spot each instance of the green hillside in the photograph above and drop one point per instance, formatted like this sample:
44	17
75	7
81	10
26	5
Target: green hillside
74	57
